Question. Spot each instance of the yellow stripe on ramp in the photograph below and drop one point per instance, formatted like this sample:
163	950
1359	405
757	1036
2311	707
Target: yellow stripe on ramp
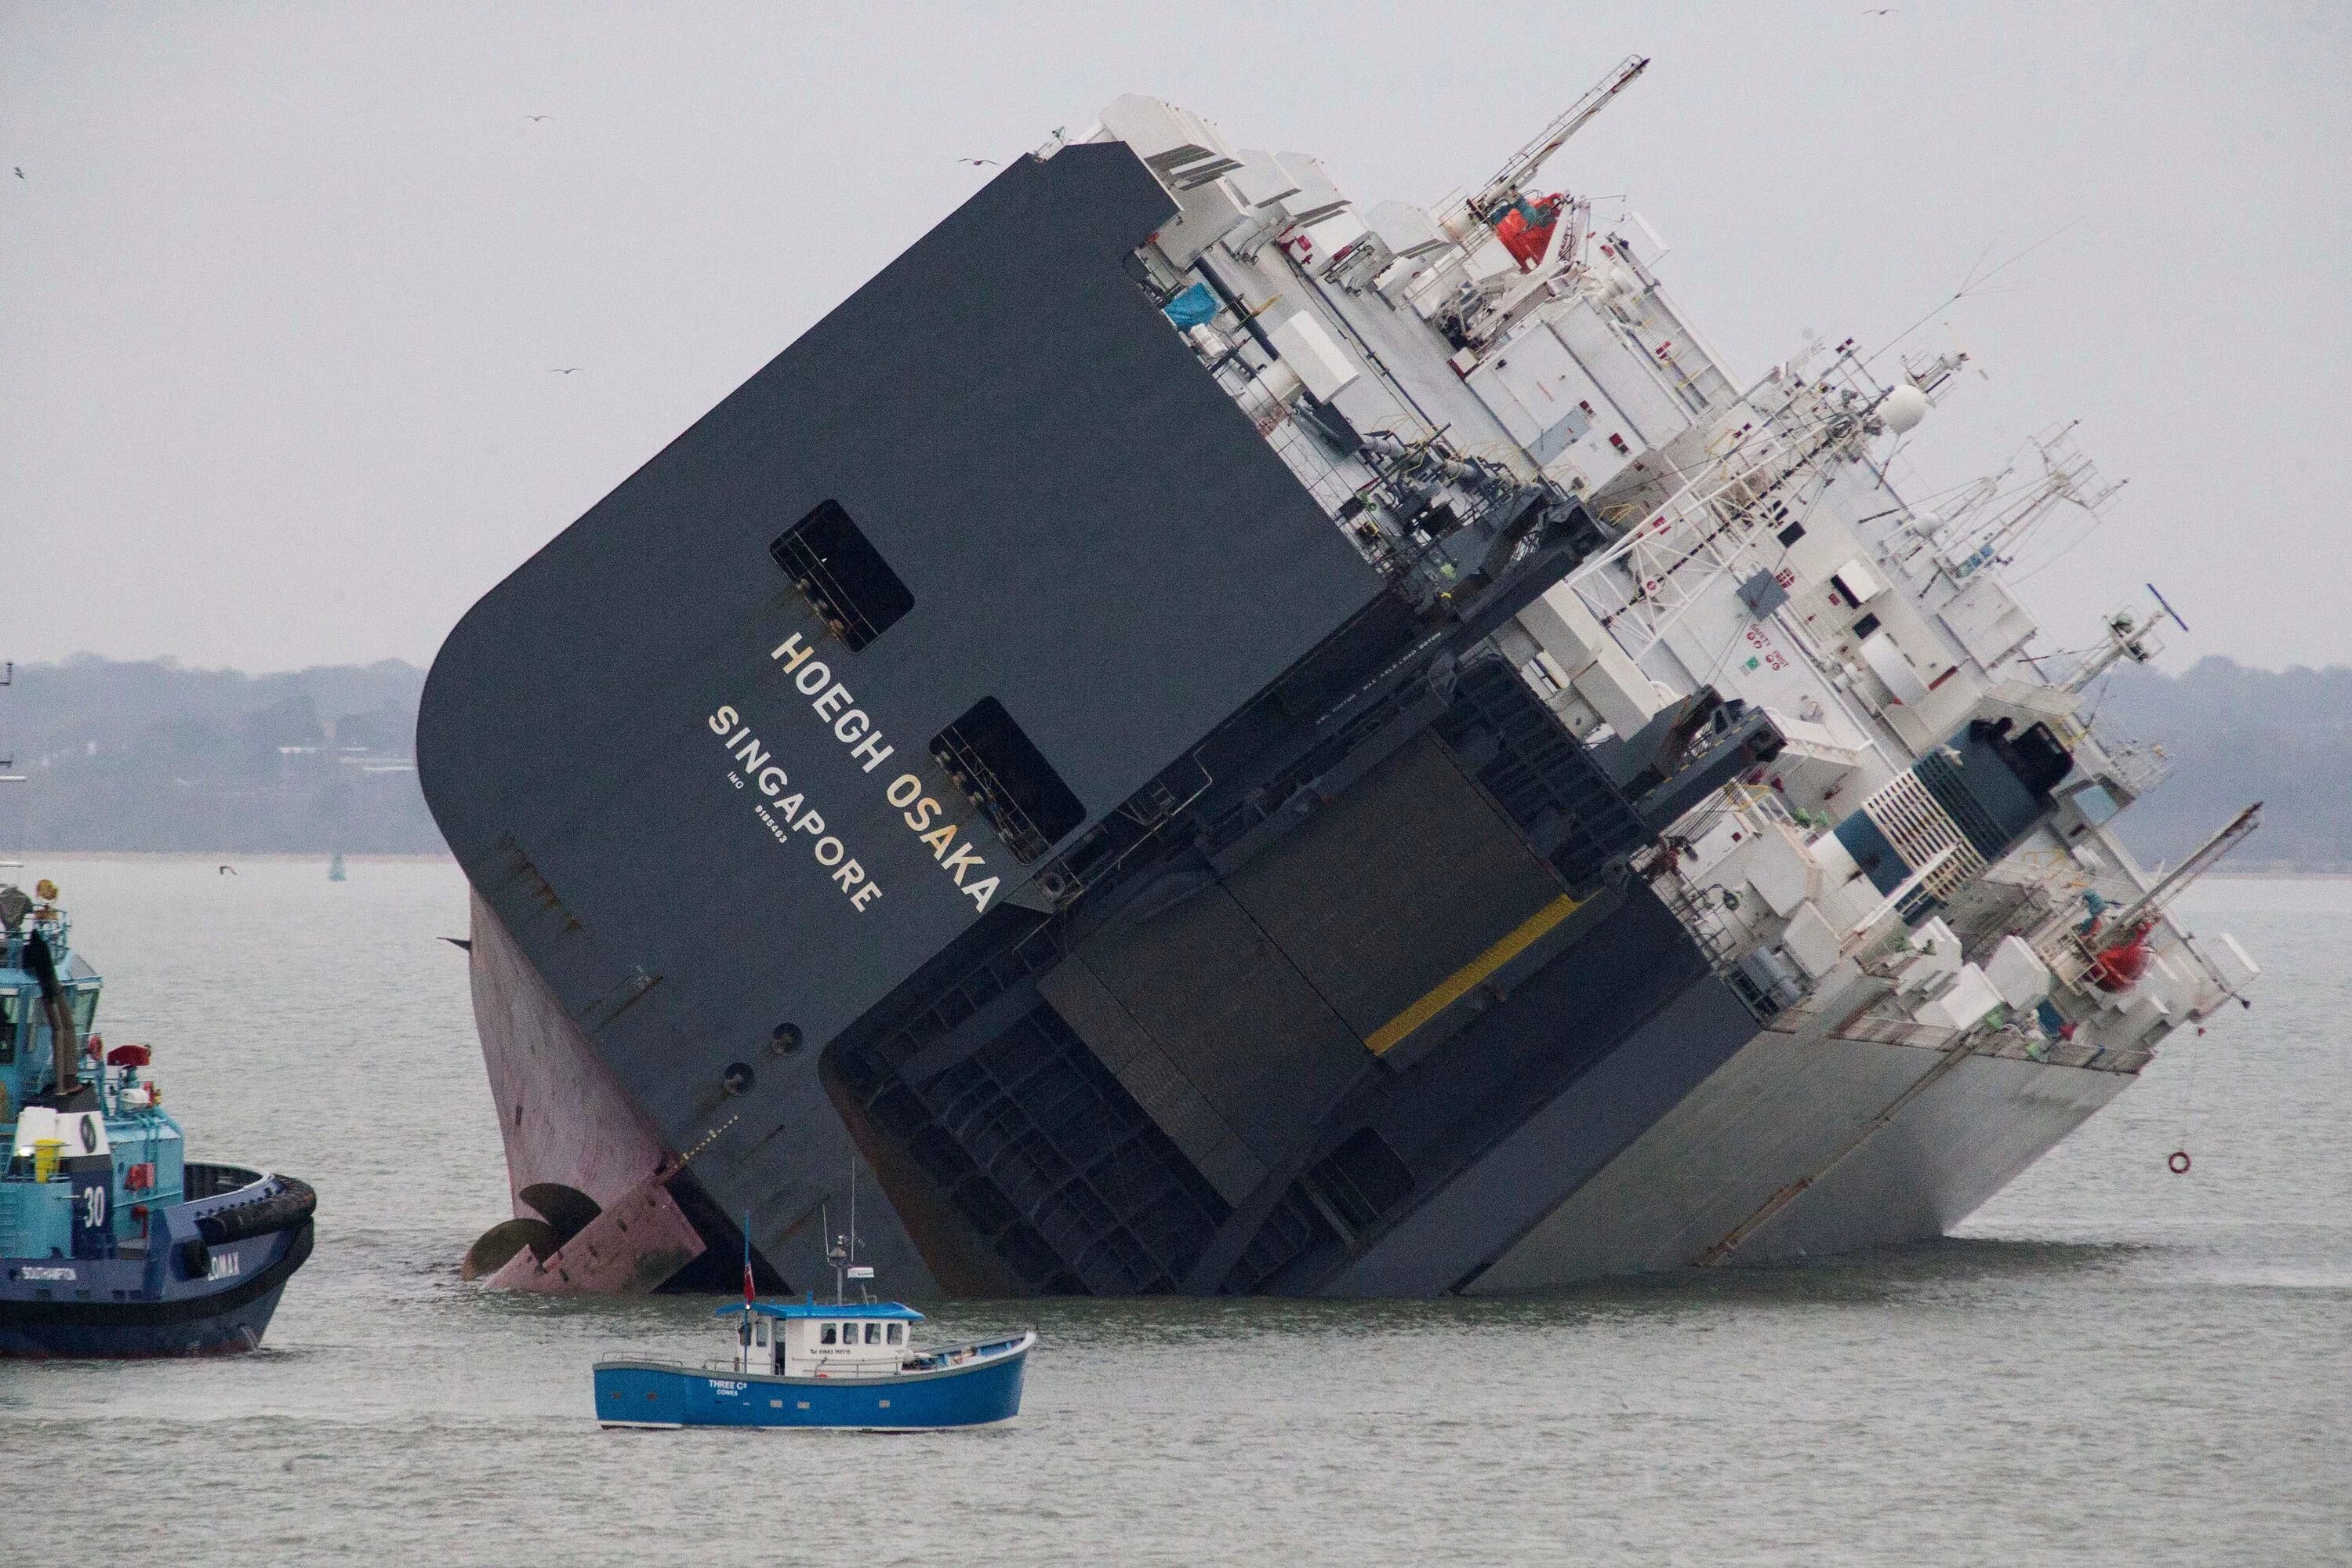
1455	986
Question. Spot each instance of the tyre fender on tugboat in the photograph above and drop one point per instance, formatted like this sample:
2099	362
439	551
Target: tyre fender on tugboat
289	1205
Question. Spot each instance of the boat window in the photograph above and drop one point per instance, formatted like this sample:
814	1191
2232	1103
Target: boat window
873	1333
8	1011
85	1008
993	762
824	1335
844	579
897	1333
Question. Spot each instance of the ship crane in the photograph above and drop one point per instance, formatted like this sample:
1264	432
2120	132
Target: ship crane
2200	860
1502	190
1542	233
2118	965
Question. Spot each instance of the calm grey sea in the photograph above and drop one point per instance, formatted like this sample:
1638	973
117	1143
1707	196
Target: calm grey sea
2114	1365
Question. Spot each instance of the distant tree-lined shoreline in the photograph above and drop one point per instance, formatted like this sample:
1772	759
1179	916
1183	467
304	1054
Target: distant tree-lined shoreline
151	756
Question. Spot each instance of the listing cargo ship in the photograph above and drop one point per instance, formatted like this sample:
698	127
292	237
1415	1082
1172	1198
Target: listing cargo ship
1211	739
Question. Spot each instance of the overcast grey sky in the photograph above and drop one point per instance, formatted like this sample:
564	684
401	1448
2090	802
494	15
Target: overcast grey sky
283	288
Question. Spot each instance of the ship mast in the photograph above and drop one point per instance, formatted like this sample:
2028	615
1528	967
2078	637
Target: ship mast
2129	636
2067	475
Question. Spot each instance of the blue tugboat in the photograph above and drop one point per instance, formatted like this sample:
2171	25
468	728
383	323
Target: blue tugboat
112	1243
849	1364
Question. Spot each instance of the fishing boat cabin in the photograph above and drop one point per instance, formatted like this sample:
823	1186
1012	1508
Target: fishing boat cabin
807	1339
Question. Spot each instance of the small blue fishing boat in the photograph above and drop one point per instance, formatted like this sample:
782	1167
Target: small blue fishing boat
112	1242
851	1365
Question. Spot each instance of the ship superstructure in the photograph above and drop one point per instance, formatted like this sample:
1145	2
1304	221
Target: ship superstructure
1220	739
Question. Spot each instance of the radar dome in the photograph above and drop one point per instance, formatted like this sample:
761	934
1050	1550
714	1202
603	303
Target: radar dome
1903	408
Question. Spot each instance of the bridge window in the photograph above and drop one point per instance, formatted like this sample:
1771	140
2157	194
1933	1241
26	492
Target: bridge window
873	1333
897	1333
8	1014
824	1335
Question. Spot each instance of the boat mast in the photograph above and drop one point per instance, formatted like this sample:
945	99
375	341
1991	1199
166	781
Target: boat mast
837	1253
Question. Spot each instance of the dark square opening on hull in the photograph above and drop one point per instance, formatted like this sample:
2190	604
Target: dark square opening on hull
844	578
992	760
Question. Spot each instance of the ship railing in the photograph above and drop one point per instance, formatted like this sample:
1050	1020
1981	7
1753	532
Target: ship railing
1641	586
2012	1040
1869	1024
1310	461
2020	1045
55	930
2062	948
943	1356
1758	807
2135	765
1998	904
1724	944
1718	946
830	1372
937	1359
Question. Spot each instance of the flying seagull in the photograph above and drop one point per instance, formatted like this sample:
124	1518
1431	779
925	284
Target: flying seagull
1883	11
538	117
979	162
562	369
226	871
20	170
